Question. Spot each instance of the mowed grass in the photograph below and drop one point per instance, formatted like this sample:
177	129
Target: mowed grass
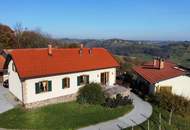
61	116
178	122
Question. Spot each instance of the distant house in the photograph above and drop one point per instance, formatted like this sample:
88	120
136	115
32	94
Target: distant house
164	75
48	75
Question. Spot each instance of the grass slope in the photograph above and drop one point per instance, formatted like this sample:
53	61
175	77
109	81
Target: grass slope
178	122
60	116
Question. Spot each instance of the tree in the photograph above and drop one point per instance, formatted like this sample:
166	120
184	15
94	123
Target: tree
18	34
91	93
31	39
173	103
7	37
21	37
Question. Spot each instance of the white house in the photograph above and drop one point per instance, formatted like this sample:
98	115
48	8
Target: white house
164	76
49	75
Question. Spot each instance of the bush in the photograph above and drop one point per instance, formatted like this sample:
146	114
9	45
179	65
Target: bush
171	102
91	93
118	101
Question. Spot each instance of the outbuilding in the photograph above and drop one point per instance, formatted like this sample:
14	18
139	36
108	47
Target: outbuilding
164	75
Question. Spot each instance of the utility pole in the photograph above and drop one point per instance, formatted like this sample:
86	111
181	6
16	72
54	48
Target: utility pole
160	118
132	128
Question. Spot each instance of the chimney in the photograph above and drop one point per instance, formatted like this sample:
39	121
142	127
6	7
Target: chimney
155	62
90	51
81	46
81	49
50	49
161	63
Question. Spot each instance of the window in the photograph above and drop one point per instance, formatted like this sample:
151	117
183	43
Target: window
83	79
43	86
104	78
65	83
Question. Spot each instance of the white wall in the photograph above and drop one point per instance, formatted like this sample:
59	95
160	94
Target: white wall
15	86
180	85
5	77
94	76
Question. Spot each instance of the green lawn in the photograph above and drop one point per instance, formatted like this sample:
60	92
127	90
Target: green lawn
178	122
60	116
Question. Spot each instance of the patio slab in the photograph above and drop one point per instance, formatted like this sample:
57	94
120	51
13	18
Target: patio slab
112	91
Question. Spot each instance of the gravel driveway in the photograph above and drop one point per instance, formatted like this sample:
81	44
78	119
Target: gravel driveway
6	100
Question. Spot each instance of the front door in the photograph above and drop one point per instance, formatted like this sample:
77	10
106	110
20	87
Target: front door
104	78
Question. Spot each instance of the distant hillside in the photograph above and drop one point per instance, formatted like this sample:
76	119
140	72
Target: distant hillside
177	51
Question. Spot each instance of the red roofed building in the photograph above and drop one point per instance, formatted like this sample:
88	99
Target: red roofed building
2	61
3	69
44	75
164	75
3	72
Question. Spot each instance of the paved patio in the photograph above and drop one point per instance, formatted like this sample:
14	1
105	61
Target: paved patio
142	110
7	101
112	91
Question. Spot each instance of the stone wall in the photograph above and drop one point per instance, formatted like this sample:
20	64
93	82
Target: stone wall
66	98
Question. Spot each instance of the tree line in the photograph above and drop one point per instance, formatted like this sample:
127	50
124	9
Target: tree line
20	37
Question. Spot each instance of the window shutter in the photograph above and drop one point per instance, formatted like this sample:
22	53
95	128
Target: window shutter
49	85
37	86
69	82
87	78
63	83
78	80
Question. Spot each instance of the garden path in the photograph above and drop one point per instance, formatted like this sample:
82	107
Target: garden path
141	112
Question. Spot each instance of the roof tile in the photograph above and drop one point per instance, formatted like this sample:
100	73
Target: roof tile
154	74
2	62
37	62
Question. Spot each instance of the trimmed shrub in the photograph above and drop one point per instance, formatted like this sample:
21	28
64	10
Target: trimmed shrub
91	93
118	101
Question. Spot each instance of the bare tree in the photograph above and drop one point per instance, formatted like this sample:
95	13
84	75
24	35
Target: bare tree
18	28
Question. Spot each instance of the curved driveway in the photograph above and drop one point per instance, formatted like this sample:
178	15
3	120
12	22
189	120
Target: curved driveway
6	100
142	110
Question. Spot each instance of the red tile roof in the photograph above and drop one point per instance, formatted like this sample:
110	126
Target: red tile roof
37	63
2	62
154	75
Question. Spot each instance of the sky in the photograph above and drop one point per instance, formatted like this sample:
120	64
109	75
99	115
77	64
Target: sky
101	19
